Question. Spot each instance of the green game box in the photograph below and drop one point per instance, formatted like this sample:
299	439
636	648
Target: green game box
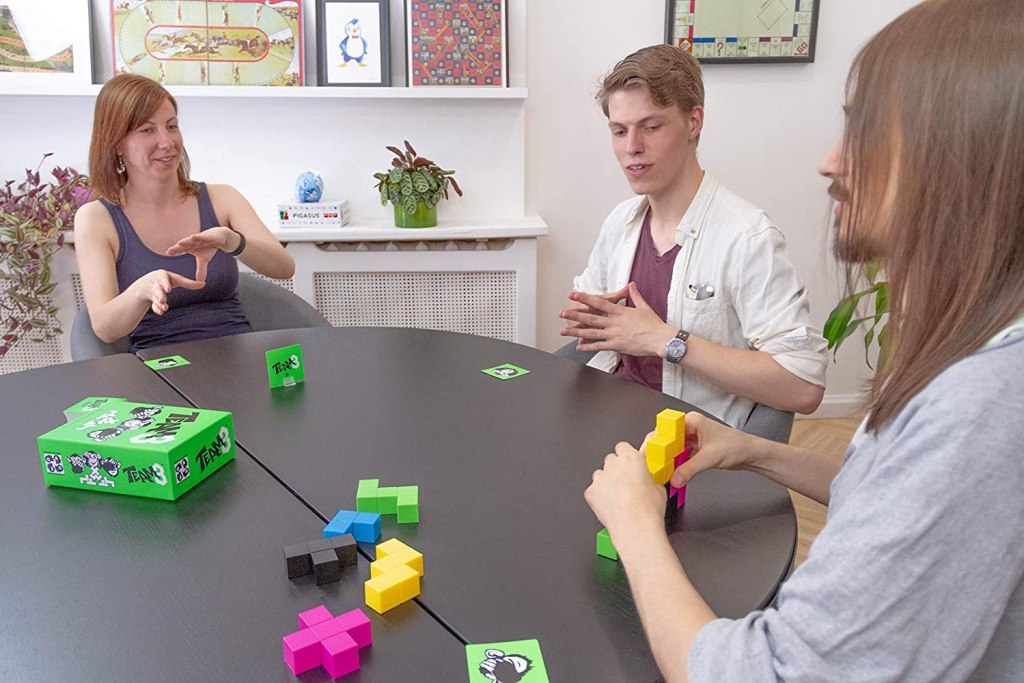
136	449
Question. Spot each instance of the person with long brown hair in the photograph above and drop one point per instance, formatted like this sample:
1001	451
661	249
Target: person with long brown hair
157	251
917	575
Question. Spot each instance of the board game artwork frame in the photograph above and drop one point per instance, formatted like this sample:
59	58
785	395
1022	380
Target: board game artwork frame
209	42
744	31
456	43
45	44
353	46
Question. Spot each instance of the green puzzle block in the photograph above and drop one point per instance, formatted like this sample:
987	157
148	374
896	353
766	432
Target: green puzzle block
136	449
387	500
366	495
408	504
605	547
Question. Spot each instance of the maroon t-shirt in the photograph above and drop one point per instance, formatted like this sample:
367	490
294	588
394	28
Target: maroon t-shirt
653	277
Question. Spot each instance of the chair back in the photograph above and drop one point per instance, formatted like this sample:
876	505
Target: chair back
268	306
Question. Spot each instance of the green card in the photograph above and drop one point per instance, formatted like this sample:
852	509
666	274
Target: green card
506	371
519	660
168	362
284	366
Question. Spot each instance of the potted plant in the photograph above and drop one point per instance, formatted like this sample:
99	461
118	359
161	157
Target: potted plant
841	322
415	185
33	217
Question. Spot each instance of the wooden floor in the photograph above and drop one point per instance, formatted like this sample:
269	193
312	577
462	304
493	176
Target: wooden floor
824	436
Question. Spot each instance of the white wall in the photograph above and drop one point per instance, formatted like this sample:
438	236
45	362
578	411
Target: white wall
260	145
766	128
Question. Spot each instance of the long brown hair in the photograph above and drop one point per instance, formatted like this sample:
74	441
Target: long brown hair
125	103
935	148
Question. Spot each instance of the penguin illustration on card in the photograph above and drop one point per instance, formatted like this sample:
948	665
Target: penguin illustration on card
353	46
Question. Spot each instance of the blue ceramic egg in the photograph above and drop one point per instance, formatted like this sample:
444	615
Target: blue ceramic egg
309	187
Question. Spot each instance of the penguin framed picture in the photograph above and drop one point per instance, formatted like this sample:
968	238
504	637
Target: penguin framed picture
744	31
352	43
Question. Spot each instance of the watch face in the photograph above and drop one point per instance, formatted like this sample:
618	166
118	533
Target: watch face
676	350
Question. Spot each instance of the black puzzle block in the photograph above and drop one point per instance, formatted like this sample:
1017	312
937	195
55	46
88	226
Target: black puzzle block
345	548
326	566
298	560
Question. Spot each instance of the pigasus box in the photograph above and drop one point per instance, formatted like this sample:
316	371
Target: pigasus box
136	449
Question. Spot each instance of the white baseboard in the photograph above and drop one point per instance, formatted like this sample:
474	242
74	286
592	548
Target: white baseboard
837	405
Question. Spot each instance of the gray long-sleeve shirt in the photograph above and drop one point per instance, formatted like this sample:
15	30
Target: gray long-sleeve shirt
917	574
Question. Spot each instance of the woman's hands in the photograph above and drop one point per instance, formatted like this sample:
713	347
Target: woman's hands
204	246
154	286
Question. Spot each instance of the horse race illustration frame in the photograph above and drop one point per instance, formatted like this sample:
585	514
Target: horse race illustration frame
352	43
45	44
209	42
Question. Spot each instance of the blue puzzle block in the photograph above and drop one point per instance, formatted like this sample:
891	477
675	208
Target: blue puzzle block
342	524
366	527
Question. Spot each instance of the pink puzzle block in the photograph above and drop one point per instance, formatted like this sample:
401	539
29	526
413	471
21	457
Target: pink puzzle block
314	616
357	625
328	641
326	629
302	651
672	490
340	654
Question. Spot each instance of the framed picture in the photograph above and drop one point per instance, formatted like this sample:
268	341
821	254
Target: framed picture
352	46
457	42
731	31
209	42
45	42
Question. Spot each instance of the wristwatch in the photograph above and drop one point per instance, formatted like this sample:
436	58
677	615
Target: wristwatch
675	349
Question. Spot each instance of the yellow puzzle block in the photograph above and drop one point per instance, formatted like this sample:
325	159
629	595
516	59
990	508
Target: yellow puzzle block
392	588
671	423
407	558
394	551
662	450
662	476
392	545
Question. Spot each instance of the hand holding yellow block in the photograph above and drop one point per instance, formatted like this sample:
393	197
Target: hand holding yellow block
669	440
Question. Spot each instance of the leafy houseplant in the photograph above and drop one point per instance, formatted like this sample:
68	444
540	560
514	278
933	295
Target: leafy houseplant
33	215
415	185
841	322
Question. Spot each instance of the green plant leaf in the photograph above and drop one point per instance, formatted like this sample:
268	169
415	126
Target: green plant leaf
881	301
407	189
420	184
395	176
837	321
409	204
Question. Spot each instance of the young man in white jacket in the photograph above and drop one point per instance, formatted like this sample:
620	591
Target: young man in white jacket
714	312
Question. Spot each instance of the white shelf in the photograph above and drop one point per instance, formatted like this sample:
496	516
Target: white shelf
304	92
383	230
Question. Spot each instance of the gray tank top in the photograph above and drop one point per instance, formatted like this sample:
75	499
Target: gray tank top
213	311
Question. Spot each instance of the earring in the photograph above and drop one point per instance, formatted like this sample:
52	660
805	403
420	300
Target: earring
120	165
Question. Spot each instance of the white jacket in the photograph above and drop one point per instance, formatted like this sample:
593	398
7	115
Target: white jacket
759	303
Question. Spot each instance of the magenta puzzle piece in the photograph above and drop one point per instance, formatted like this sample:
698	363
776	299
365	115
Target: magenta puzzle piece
680	494
357	625
340	654
314	616
301	651
327	641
